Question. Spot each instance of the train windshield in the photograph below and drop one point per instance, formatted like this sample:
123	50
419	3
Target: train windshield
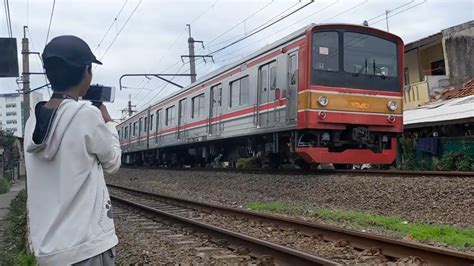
354	60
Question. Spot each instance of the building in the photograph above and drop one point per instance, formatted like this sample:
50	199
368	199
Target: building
11	111
436	62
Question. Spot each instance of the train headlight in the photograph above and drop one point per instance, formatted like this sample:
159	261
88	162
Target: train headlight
392	106
323	100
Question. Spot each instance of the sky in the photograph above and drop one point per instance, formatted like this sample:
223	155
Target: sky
155	35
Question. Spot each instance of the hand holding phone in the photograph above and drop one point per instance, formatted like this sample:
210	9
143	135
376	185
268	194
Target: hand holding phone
100	94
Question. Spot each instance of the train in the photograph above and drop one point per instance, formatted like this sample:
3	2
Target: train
324	94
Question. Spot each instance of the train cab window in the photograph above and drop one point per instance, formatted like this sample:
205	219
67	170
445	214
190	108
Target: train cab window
239	92
326	51
170	115
198	106
151	122
369	55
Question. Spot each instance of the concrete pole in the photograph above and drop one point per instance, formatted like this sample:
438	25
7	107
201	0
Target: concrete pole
25	52
130	111
192	62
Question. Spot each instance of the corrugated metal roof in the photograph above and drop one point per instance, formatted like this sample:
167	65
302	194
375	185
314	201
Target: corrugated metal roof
440	112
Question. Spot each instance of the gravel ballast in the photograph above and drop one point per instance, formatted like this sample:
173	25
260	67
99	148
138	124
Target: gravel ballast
441	200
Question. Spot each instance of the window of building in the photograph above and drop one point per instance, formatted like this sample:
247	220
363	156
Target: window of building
239	92
11	113
10	105
11	122
170	115
198	106
438	68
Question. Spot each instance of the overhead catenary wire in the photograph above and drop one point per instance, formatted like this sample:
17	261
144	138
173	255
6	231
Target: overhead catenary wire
8	18
50	22
240	23
396	13
262	26
203	13
120	31
261	29
114	21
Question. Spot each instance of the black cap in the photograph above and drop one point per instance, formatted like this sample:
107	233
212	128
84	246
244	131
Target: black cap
71	49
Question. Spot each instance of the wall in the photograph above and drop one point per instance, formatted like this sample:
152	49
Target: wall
458	44
415	94
429	55
411	61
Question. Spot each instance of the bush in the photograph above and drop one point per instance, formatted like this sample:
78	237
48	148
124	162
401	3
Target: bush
15	235
453	161
4	185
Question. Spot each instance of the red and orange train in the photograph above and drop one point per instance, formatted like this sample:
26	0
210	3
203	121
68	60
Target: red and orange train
324	94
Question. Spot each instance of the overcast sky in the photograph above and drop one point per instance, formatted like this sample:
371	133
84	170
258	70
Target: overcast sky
155	36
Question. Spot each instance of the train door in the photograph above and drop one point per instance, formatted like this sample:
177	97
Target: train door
266	94
215	110
181	119
292	95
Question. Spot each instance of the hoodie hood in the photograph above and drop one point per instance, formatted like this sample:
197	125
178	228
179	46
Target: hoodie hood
49	127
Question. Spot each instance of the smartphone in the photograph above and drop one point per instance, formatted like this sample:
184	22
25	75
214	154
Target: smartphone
99	93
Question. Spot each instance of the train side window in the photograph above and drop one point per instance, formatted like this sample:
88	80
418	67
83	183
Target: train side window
198	106
182	111
293	71
170	114
135	128
140	125
119	134
125	136
273	79
130	130
151	122
239	92
145	125
158	117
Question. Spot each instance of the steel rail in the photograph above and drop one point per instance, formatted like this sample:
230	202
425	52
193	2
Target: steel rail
402	173
258	248
390	247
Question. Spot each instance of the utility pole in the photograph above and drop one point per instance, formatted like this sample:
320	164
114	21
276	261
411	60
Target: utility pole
130	106
386	17
25	76
192	56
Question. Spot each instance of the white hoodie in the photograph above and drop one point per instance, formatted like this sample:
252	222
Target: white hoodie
69	206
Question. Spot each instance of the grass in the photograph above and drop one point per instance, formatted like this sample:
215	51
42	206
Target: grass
4	185
453	236
15	235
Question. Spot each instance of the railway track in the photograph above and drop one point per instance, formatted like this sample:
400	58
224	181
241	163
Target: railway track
405	173
286	240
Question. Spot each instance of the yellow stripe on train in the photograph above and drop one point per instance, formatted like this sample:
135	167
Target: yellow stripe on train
348	102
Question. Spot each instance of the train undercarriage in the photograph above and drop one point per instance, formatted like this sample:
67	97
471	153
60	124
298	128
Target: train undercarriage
288	149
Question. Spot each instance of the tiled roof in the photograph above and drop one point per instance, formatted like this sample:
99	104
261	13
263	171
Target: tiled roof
453	92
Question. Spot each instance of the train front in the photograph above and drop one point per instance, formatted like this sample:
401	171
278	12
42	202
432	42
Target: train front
350	103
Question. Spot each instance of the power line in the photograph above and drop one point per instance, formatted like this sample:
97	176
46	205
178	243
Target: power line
261	29
241	22
50	21
406	9
260	26
111	25
120	31
383	14
203	13
8	18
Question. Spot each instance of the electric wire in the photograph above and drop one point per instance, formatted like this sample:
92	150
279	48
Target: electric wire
8	18
261	29
203	13
50	21
120	31
240	23
260	26
114	21
394	14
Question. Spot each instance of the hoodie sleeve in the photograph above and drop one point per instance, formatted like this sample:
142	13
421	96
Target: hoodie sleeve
106	146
